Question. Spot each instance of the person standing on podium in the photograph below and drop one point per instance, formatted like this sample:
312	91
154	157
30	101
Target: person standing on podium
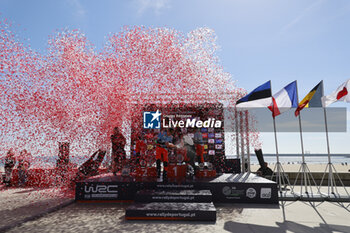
164	142
118	153
198	141
10	163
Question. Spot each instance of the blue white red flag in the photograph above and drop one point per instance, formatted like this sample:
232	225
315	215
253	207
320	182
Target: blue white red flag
284	99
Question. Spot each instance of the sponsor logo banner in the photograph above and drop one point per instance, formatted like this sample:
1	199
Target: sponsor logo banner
265	193
251	193
152	120
100	191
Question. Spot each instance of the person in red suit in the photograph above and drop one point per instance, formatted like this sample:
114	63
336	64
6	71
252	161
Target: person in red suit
164	142
140	150
198	141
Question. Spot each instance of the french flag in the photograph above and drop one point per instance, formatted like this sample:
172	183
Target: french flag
284	99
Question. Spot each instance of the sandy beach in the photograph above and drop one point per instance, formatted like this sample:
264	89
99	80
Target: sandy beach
231	217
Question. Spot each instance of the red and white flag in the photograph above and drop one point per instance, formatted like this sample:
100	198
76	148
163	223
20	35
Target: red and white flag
341	94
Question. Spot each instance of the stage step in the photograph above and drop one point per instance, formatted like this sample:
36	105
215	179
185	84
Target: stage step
174	196
171	211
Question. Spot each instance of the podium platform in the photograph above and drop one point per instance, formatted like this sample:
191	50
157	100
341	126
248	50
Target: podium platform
174	196
225	188
171	211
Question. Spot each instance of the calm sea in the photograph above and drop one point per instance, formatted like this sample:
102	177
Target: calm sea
309	158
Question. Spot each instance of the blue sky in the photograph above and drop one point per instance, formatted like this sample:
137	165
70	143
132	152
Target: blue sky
304	40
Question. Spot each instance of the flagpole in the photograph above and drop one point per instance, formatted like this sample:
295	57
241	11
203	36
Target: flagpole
330	172
304	170
237	140
332	186
303	161
329	165
247	139
274	129
280	171
300	129
301	139
278	164
327	138
303	164
242	141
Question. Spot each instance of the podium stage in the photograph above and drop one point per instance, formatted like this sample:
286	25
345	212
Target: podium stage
225	188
